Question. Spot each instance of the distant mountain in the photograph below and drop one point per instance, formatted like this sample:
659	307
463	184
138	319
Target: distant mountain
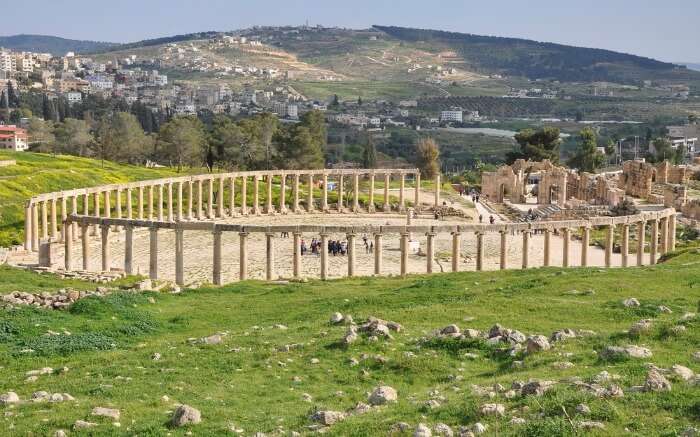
692	65
541	60
159	41
51	44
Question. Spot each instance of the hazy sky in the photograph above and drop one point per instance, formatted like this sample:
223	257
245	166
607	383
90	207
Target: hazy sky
668	30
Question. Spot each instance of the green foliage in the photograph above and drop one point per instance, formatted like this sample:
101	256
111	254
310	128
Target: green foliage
182	141
122	139
537	145
428	158
369	153
587	157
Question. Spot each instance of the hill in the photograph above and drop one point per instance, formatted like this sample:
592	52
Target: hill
541	60
51	44
273	360
37	173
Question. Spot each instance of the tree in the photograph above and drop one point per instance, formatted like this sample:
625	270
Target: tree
183	141
41	137
587	157
427	157
121	138
12	96
537	145
663	150
73	137
302	145
226	138
369	153
335	103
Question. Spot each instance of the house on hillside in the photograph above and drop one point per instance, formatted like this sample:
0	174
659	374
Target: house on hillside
13	138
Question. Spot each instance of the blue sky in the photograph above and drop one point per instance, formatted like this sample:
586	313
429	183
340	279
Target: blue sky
668	30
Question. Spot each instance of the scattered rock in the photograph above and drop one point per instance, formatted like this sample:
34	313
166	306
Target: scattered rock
631	302
656	382
664	309
590	424
678	330
517	421
9	398
185	415
583	409
156	356
562	334
683	372
450	331
536	388
327	418
537	343
106	412
696	356
382	395
336	318
350	335
443	429
640	327
611	352
212	339
478	428
492	410
422	430
81	424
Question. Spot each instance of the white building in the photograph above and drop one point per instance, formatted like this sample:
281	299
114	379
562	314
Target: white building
451	116
13	138
74	97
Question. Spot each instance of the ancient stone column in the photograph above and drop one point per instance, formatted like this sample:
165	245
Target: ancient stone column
270	255
297	254
108	204
190	199
256	194
566	237
84	230
220	198
310	194
268	201
44	220
149	202
244	195
437	190
64	216
351	254
283	193
161	200
479	251
139	201
526	249
402	188
609	239
35	227
456	243
217	256
377	254
356	192
74	211
295	193
210	198
404	253
625	246
340	194
129	204
672	232
386	207
243	256
96	203
585	242
28	226
324	256
179	201
430	251
663	227
547	247
106	252
654	242
179	256
370	206
416	194
119	203
641	236
232	197
503	264
129	249
199	213
54	220
68	246
153	253
171	216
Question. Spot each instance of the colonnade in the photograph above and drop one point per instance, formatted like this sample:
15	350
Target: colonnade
215	196
661	224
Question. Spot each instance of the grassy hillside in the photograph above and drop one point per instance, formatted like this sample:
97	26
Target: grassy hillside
37	173
534	59
51	44
248	383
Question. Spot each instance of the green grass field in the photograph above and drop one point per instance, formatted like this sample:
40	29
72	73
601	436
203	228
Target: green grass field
37	173
246	383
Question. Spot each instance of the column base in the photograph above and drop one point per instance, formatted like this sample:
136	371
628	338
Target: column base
402	208
371	208
386	207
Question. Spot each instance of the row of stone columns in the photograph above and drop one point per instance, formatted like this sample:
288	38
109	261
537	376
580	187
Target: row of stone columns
662	240
163	201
